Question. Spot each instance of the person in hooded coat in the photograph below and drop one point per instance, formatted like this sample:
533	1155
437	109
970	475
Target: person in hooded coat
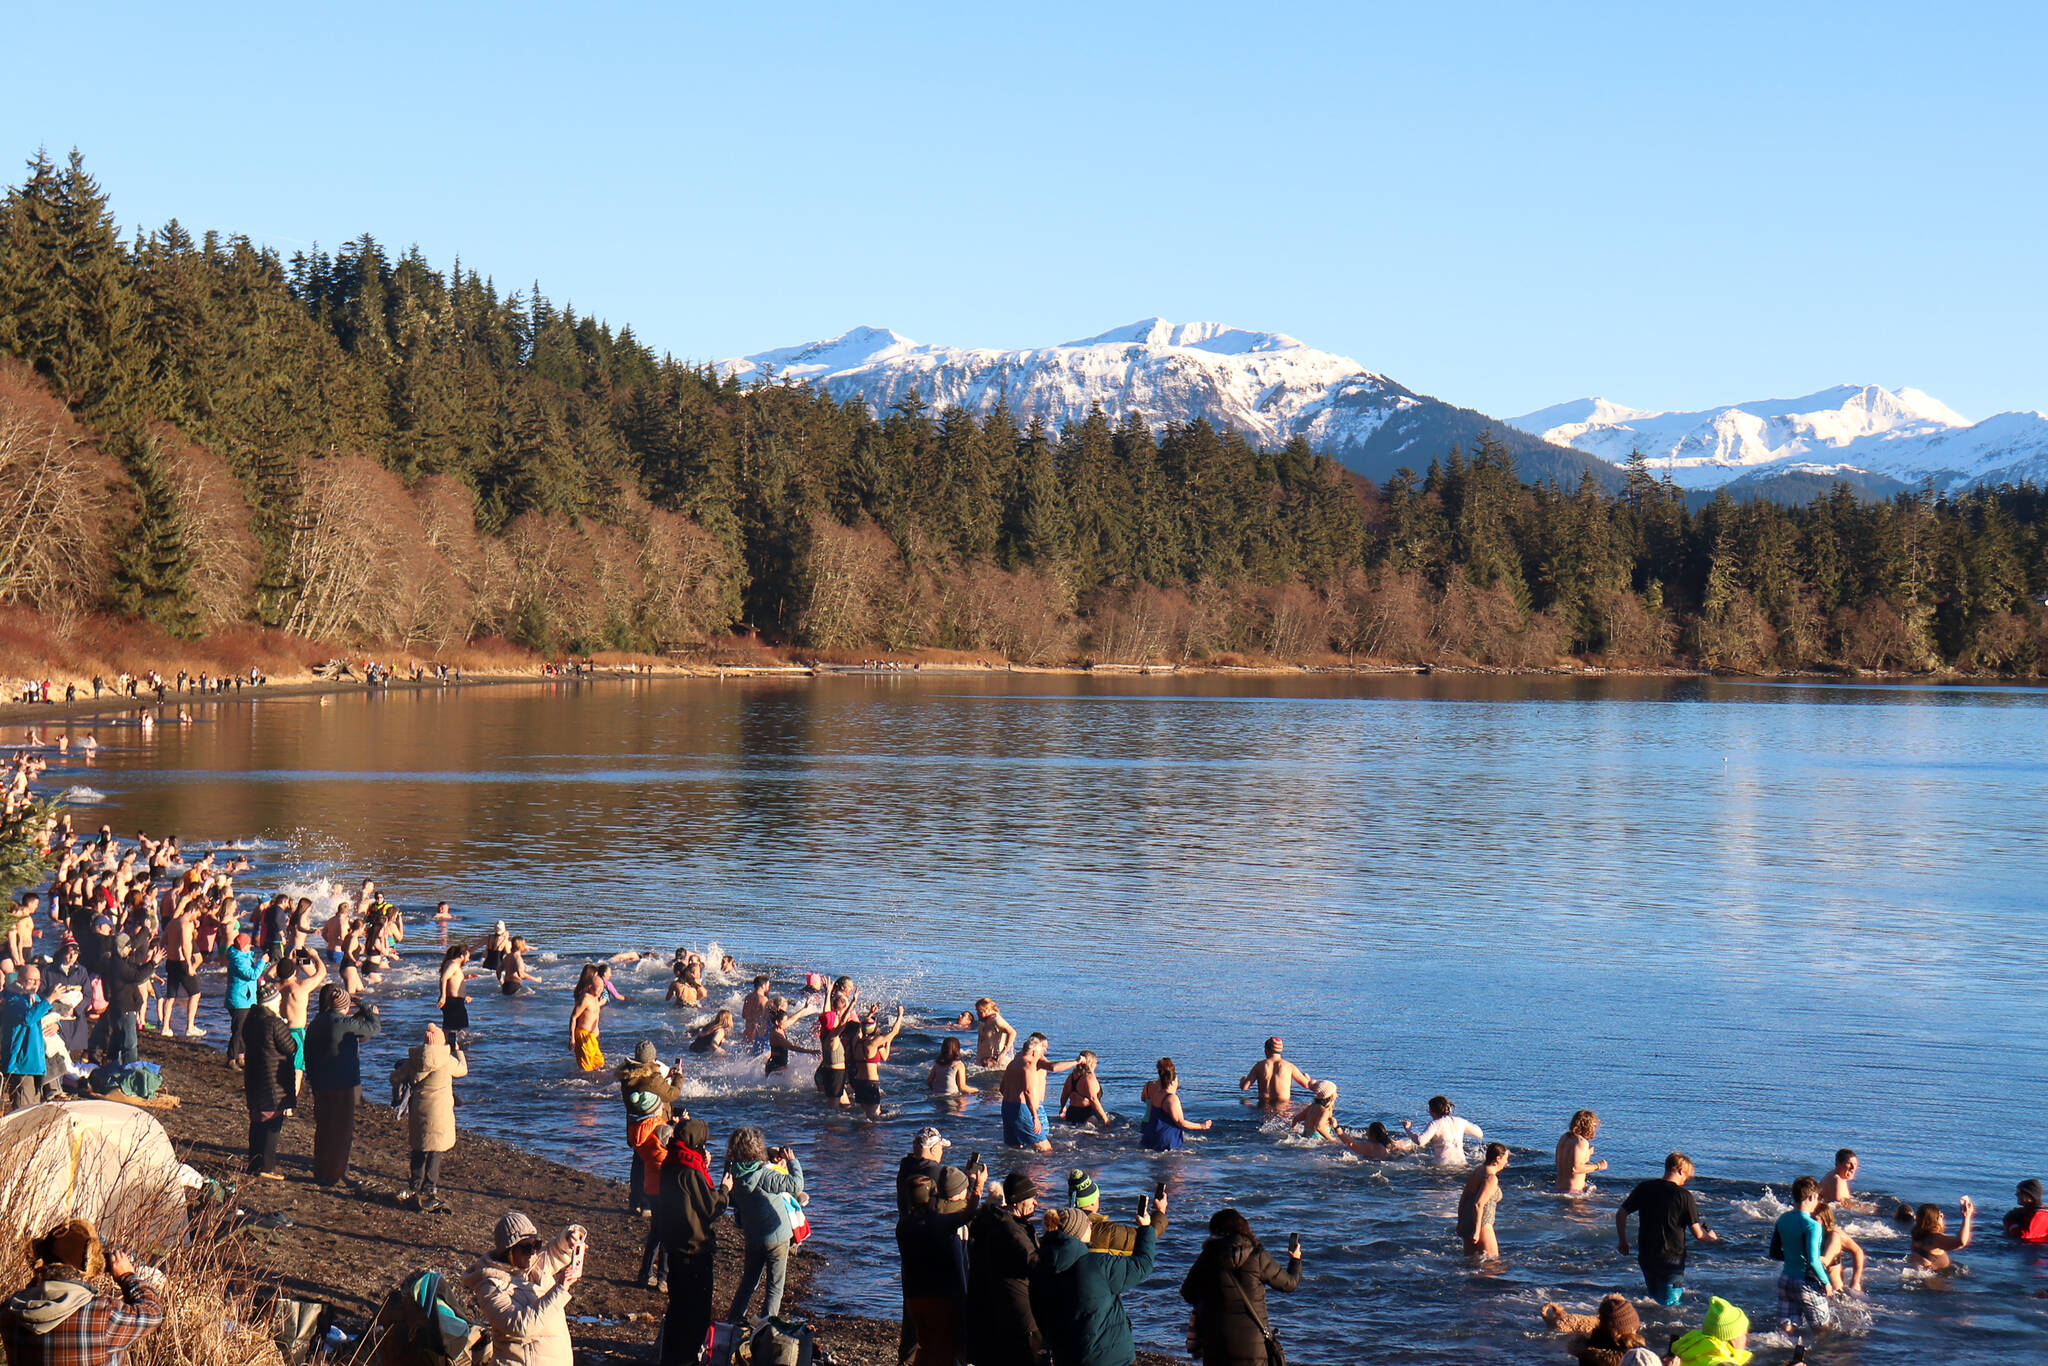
685	1221
522	1290
1227	1286
334	1074
647	1090
269	1079
430	1069
1084	1317
1000	1328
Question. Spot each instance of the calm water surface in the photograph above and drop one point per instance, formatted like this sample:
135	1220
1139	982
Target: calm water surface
1754	922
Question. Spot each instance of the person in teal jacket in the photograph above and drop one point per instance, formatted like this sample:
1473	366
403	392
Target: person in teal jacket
1084	1319
764	1214
21	1033
245	965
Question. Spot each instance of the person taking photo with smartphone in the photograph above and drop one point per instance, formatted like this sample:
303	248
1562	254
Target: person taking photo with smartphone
1227	1287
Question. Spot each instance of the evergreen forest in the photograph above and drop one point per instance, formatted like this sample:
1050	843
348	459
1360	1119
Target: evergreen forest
363	447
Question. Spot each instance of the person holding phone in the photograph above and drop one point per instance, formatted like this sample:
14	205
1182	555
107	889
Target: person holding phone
764	1219
522	1290
1227	1287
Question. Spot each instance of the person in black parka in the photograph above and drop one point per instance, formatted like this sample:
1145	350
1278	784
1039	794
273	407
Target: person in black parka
1227	1286
685	1222
269	1079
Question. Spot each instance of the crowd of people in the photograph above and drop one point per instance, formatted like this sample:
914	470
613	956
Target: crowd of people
992	1271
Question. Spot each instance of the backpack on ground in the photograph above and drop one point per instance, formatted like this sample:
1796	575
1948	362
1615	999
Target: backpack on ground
779	1342
419	1327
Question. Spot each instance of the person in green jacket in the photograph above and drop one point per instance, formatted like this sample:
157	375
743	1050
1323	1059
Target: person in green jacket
1084	1319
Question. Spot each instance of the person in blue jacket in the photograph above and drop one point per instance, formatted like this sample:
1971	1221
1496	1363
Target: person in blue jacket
764	1214
245	965
1082	1291
21	1034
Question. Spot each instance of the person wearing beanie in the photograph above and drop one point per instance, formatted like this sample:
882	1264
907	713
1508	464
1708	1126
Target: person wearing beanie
1084	1317
522	1290
1722	1337
245	965
647	1089
334	1074
2027	1220
1600	1338
269	1079
686	1214
1003	1255
1082	1192
934	1268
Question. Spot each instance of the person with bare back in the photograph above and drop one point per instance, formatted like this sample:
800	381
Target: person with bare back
298	979
181	967
1023	1090
1575	1154
1275	1077
996	1036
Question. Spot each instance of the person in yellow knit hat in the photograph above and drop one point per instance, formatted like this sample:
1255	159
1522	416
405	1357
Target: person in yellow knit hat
1723	1336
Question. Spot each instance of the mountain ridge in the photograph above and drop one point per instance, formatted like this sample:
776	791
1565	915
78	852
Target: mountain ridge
1268	385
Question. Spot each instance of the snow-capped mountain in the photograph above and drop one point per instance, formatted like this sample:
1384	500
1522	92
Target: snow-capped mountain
1267	385
1900	434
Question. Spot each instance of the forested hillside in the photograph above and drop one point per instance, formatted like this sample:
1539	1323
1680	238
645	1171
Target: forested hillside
364	446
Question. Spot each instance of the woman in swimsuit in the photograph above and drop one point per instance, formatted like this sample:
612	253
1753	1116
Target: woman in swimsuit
496	948
1081	1097
1165	1122
1480	1200
1318	1118
687	987
1839	1253
1931	1240
780	1045
866	1050
949	1074
454	1004
710	1038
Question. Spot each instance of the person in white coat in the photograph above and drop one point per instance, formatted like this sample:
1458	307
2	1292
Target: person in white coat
522	1291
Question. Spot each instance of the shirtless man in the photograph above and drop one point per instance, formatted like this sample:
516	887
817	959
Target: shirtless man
300	977
181	967
300	927
1575	1154
997	1037
1275	1077
1024	1095
754	1014
21	935
1834	1187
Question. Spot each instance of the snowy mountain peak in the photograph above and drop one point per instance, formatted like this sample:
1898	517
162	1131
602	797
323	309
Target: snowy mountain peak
1219	338
860	346
1904	434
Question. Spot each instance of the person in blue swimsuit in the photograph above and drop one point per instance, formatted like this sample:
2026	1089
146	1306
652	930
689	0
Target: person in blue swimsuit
1164	1120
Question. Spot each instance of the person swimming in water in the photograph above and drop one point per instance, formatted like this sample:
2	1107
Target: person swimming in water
1275	1077
512	973
687	987
1834	1187
1478	1203
1575	1154
1840	1254
1376	1145
1081	1097
1318	1118
710	1036
1445	1137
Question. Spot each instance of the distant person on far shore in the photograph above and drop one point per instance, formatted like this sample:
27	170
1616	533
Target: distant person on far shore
1668	1211
1477	1205
1275	1077
1165	1121
1446	1135
1575	1153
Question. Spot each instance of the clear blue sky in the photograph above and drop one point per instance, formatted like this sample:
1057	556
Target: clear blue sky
1503	205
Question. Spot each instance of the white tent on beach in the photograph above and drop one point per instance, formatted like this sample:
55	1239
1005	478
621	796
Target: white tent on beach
91	1159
